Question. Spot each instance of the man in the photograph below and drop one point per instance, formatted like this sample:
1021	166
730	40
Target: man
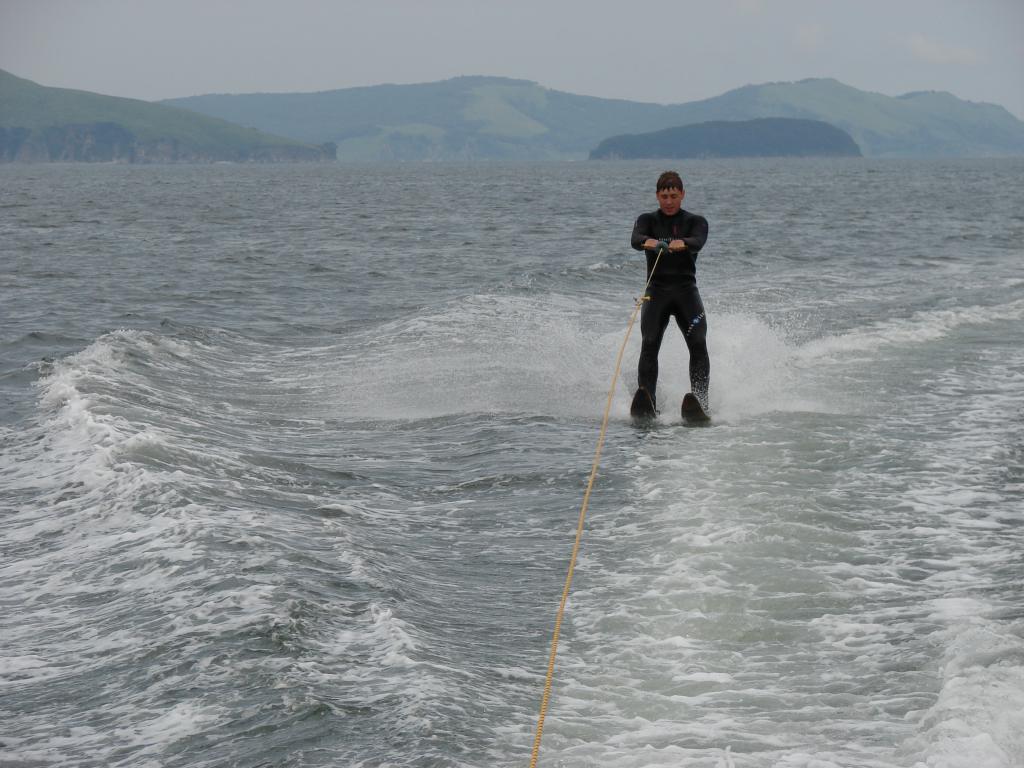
672	291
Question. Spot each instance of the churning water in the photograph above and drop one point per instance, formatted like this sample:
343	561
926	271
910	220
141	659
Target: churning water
292	459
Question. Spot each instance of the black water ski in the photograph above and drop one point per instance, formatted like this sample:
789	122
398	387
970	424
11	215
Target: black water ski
693	414
642	408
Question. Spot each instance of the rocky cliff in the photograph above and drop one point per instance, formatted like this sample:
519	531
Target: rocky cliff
41	124
113	143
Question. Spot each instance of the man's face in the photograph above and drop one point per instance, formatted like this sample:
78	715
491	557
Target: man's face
669	200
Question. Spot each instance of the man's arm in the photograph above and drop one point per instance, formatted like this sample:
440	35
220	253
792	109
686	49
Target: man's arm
698	235
641	232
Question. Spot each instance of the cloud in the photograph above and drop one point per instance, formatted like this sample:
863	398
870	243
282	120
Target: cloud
934	52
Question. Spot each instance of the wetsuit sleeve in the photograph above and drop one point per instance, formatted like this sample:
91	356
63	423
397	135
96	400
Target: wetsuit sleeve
698	235
641	231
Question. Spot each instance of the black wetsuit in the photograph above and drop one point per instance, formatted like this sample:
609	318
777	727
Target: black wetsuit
673	292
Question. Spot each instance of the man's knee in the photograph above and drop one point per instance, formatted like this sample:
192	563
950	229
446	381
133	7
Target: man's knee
648	346
696	331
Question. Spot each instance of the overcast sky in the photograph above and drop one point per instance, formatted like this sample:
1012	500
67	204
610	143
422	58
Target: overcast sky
644	50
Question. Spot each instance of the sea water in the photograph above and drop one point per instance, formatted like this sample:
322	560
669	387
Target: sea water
292	459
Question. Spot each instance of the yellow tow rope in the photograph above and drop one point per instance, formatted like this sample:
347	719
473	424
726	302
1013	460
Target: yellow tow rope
583	513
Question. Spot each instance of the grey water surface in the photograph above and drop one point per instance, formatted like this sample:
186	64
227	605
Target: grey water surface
291	460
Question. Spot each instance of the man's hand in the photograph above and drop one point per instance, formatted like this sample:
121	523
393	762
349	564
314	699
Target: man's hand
675	245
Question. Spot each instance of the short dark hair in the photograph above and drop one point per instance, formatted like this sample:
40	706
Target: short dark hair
669	180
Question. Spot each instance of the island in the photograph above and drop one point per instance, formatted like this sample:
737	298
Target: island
761	137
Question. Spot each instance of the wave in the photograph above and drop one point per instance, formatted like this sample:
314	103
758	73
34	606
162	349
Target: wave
140	537
554	355
482	354
919	328
549	355
978	717
162	485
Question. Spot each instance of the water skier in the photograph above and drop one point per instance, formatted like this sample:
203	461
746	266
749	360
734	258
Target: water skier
678	236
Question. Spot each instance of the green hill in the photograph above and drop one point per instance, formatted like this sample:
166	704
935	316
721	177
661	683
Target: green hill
464	118
488	117
913	125
763	137
41	124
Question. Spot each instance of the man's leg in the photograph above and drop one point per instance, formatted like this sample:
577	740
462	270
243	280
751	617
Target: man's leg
694	325
653	321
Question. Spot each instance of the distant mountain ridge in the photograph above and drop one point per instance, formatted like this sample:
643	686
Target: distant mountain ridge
43	124
499	118
760	137
465	118
918	124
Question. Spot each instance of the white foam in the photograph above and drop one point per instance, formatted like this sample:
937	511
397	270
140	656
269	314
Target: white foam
978	718
483	354
921	327
386	639
753	371
106	546
552	356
